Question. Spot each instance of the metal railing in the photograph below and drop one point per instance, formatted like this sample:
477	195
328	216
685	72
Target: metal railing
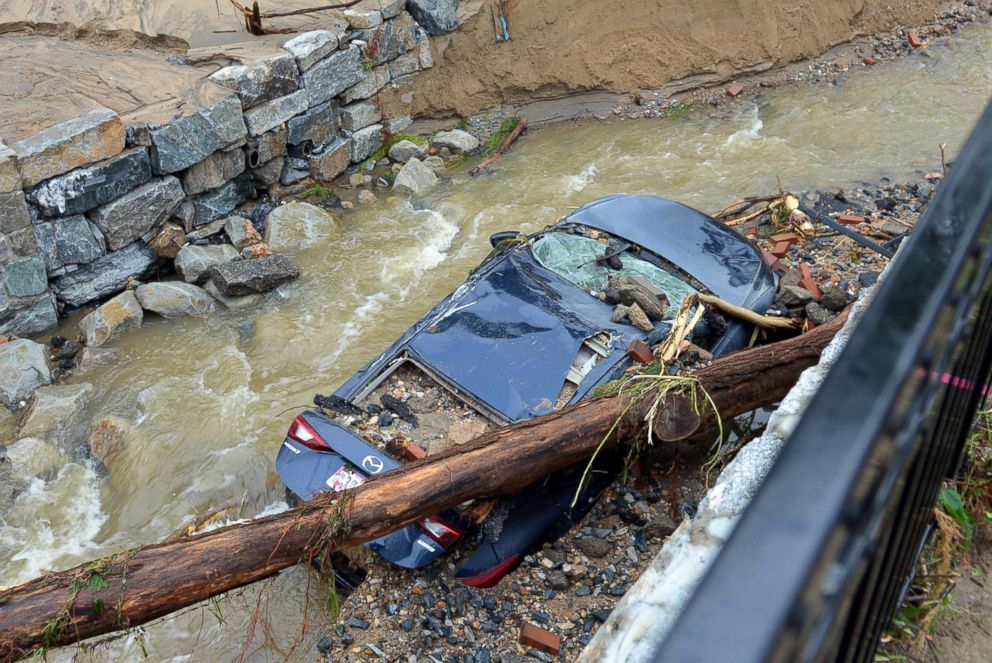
822	556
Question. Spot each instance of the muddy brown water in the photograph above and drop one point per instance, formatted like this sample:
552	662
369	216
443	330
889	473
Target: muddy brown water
211	397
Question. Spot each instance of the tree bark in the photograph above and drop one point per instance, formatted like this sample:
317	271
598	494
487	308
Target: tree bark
137	586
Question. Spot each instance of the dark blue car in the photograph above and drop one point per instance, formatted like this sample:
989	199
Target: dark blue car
529	332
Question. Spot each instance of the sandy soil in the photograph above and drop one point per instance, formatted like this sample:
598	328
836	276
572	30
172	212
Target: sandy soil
966	636
559	47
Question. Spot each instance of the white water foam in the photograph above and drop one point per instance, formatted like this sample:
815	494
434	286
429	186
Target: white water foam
576	183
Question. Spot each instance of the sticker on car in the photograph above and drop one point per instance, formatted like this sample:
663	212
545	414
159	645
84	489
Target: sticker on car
344	479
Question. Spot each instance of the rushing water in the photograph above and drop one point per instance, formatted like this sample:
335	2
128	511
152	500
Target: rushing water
209	396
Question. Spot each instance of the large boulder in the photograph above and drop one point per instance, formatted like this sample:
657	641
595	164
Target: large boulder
53	409
245	277
67	241
83	189
456	140
194	261
365	142
215	122
32	457
271	114
31	321
318	125
220	201
104	276
127	218
242	301
415	177
297	225
174	299
331	160
25	277
405	150
258	82
111	319
214	171
333	75
91	137
434	16
23	368
310	48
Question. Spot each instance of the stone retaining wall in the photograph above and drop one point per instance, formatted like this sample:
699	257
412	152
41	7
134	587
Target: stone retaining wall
82	202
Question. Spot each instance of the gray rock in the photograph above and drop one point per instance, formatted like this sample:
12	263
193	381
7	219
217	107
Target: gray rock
245	277
68	241
404	64
174	299
424	50
219	202
192	138
90	357
371	82
269	145
19	243
435	163
333	75
331	160
435	16
14	213
415	177
111	319
268	173
294	170
365	142
817	314
168	241
259	82
132	215
794	295
10	178
84	188
23	368
234	226
456	140
311	47
243	301
208	230
360	17
360	115
399	124
54	408
389	8
405	150
194	261
596	548
33	457
833	298
91	137
105	275
557	580
31	321
318	125
270	115
297	225
391	39
25	277
214	171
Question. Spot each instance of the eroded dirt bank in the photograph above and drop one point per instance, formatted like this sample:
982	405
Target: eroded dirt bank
559	47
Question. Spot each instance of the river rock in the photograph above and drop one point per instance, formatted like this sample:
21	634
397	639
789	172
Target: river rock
415	177
817	314
297	225
68	241
91	137
104	276
318	125
132	215
243	301
33	457
31	321
333	75
392	39
84	188
174	299
331	160
596	548
234	226
273	113
10	179
25	277
168	242
794	295
833	298
111	319
109	438
259	82
192	138
53	409
219	202
90	357
372	81
366	141
213	171
456	140
245	277
435	163
310	47
14	213
405	150
360	115
435	16
194	261
268	173
23	368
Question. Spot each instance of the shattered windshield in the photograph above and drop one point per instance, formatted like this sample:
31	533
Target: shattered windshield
589	263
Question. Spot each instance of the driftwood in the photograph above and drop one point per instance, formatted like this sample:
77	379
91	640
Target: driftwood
501	150
136	586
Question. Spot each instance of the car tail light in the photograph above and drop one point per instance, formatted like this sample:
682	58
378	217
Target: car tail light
442	532
303	432
492	576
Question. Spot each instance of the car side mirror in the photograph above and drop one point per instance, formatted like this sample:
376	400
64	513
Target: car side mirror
496	238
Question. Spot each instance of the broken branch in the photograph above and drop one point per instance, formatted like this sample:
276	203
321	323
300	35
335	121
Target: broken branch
501	150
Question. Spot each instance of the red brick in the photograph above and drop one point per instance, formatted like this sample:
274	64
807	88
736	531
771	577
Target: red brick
850	219
914	39
751	232
413	451
869	60
538	638
808	282
780	249
640	352
791	238
734	90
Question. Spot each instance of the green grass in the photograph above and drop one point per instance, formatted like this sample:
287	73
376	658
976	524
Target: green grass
384	150
319	192
496	139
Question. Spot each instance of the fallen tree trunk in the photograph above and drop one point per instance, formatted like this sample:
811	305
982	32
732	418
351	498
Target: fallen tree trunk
139	585
501	150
